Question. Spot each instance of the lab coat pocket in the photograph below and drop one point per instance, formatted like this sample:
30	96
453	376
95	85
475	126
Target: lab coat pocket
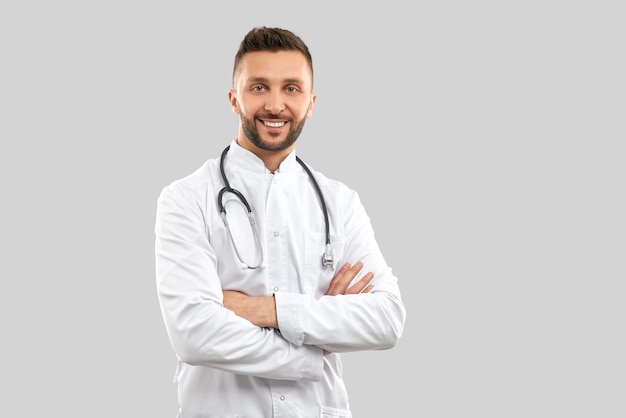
317	277
328	412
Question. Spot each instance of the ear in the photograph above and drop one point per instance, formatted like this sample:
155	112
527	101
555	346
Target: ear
309	113
232	98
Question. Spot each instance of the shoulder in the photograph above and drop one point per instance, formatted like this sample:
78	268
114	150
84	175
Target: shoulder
336	190
193	185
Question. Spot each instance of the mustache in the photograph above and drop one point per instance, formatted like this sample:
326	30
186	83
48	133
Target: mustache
272	116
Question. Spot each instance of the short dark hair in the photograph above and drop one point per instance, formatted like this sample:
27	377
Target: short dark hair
262	38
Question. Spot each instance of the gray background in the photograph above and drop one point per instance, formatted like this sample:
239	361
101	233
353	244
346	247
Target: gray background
485	138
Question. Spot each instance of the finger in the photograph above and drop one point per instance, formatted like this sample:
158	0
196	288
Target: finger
344	280
336	284
362	284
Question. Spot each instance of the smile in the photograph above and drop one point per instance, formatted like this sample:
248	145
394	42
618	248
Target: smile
274	124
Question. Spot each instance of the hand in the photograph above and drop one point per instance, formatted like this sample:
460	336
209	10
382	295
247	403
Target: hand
339	284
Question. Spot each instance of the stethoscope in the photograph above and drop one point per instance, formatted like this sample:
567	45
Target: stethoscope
328	257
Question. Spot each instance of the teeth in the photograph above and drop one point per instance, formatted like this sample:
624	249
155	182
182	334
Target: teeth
274	124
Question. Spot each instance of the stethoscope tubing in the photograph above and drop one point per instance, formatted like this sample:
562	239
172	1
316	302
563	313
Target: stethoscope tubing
327	257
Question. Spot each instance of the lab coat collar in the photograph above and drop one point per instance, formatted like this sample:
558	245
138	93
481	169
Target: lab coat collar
246	159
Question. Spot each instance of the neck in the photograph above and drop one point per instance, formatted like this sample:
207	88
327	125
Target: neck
271	159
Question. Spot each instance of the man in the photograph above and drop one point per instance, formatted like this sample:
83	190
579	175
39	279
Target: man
267	270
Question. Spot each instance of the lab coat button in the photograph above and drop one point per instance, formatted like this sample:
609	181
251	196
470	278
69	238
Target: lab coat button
276	289
276	234
282	397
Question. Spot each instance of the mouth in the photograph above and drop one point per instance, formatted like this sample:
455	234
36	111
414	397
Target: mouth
273	124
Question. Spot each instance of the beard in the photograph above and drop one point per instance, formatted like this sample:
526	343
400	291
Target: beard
252	133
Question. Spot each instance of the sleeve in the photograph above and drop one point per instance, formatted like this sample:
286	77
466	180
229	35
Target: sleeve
201	330
344	323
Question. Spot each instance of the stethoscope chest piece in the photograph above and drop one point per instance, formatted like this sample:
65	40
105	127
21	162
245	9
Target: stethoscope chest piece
328	258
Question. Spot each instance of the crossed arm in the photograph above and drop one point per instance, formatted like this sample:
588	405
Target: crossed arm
261	310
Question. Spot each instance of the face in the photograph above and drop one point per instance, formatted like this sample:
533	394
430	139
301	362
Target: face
273	98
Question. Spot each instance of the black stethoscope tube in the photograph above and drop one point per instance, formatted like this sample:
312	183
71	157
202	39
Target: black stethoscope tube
327	257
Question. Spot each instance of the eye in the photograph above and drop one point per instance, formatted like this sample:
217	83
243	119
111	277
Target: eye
258	88
291	89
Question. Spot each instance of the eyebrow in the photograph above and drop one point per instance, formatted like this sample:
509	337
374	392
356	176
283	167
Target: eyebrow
265	80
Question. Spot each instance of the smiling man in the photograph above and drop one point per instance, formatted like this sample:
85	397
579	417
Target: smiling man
266	269
273	95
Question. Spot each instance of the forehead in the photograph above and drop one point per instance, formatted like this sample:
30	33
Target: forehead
274	66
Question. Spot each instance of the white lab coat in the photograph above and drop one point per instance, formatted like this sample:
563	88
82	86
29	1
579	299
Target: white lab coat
227	366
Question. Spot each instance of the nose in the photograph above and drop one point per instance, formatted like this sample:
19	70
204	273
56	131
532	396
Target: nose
275	103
